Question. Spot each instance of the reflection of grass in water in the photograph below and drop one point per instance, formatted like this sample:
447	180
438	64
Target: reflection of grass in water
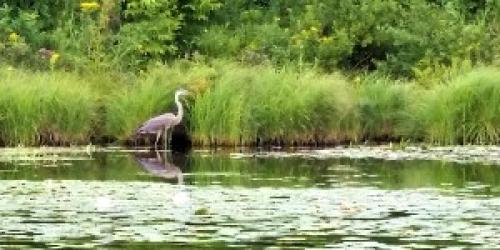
209	169
100	166
436	174
256	172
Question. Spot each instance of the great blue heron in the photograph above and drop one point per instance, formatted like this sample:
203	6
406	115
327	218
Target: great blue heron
165	121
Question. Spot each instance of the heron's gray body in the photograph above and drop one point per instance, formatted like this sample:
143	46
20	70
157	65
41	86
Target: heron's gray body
162	123
158	123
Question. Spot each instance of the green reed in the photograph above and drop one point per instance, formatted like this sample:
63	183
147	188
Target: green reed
258	103
234	104
45	108
465	111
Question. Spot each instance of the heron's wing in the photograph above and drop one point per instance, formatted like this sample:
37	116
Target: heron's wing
157	123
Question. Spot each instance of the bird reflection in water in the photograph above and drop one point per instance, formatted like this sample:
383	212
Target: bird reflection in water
158	164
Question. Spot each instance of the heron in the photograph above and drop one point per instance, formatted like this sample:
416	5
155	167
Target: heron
164	122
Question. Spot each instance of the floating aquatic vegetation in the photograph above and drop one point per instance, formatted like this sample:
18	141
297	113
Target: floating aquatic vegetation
101	214
45	155
460	154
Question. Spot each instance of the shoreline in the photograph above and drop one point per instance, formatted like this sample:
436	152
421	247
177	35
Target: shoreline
486	155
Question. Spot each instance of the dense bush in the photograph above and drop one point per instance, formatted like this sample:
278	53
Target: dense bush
396	37
393	36
97	34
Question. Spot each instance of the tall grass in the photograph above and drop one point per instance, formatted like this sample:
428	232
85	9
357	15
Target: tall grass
465	111
152	94
235	104
253	104
383	107
41	108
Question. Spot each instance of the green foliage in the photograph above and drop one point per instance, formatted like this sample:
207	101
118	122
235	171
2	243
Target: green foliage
436	36
148	30
393	36
240	104
465	111
45	108
242	107
275	92
102	34
152	94
14	29
383	106
25	23
253	44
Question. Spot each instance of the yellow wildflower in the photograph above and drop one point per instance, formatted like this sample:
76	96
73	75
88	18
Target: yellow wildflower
325	39
55	56
13	37
88	6
53	59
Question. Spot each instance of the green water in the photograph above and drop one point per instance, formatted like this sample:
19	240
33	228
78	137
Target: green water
206	199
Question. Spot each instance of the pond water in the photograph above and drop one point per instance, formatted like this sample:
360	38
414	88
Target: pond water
218	199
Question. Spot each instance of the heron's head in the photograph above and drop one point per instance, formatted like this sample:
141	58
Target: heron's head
181	92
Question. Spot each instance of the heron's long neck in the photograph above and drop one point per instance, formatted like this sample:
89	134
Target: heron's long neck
180	110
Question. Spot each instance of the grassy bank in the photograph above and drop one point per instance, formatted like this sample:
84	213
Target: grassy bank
233	104
46	108
465	111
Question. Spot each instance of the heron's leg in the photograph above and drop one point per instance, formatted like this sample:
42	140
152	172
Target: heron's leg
158	133
169	135
158	156
165	134
180	179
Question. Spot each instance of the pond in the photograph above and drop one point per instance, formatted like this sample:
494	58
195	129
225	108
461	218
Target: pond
140	199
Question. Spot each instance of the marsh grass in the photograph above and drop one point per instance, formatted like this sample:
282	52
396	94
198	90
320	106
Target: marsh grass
466	111
239	104
152	94
41	108
248	105
383	107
